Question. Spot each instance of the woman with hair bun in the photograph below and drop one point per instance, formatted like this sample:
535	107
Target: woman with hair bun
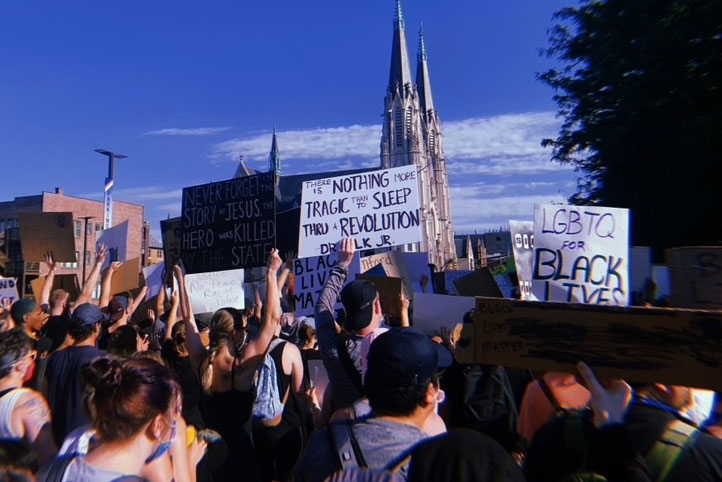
133	403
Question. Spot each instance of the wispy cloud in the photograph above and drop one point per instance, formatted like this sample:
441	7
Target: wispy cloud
197	131
503	144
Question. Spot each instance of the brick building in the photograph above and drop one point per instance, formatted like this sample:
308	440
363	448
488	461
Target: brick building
11	259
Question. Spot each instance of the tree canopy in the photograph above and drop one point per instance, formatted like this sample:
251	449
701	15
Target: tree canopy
639	88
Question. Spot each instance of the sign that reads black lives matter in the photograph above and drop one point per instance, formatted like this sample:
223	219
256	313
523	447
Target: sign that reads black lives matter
228	224
377	209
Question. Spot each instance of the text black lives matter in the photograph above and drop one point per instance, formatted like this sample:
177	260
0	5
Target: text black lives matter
228	224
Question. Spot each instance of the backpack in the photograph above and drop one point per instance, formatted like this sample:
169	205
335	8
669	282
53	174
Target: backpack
489	404
268	405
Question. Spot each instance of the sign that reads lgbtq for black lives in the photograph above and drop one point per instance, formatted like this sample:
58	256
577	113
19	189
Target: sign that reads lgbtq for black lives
377	209
581	254
228	224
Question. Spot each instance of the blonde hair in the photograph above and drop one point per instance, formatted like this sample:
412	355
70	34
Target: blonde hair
218	341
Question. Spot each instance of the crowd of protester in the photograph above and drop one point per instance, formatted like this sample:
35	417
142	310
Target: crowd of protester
110	391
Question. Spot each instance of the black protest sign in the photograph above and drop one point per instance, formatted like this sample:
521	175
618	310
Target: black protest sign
171	232
674	346
228	224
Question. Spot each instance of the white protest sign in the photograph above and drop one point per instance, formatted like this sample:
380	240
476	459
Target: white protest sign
116	240
153	275
522	242
218	289
581	254
309	276
431	312
378	209
9	289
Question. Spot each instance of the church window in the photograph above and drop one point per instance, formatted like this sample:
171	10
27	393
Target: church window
399	127
408	122
432	139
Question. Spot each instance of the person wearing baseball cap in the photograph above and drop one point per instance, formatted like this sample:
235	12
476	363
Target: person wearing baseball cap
342	354
402	386
65	386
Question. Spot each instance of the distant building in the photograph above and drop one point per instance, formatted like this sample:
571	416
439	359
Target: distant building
12	263
494	245
155	255
411	135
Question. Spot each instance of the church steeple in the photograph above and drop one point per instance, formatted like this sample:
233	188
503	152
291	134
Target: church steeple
274	159
423	81
400	72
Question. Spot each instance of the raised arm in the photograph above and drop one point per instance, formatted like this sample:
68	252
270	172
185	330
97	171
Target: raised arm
172	316
107	282
404	304
272	315
49	278
285	271
160	300
89	284
137	301
324	315
196	350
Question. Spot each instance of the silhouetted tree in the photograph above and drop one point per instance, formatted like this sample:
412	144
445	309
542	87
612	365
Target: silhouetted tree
639	88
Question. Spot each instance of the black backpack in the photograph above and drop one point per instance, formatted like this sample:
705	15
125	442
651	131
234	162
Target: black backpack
489	404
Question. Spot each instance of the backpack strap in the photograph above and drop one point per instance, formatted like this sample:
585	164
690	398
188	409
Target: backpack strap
346	446
665	452
348	365
550	396
55	472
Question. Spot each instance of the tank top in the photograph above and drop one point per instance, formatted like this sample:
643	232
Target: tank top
8	399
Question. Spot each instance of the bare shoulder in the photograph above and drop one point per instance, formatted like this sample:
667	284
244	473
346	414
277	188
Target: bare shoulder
33	403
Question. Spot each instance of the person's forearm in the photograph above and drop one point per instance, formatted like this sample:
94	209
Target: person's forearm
329	294
172	319
89	285
105	288
47	287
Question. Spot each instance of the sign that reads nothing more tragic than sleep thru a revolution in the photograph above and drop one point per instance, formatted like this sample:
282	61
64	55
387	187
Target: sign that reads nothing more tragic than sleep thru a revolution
581	254
228	224
378	209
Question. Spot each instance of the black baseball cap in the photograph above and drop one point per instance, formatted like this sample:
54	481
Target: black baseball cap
117	307
404	355
358	300
89	314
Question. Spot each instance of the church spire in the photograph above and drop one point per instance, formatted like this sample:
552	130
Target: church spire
274	159
423	81
400	73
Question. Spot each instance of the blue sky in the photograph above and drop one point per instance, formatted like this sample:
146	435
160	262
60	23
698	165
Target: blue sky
183	87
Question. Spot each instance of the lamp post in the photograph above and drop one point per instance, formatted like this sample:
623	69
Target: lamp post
109	181
85	243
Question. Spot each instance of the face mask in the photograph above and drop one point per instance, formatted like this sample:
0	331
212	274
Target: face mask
163	447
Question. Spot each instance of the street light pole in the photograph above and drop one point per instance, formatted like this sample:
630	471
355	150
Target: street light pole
85	243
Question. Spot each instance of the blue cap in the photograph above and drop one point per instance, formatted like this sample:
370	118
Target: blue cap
88	313
406	354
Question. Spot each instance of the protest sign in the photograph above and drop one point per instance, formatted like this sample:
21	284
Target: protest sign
153	275
390	290
581	254
522	242
661	278
218	289
9	290
696	277
126	278
449	277
309	275
67	282
479	282
431	312
377	209
412	268
640	267
116	240
228	224
42	232
171	232
673	346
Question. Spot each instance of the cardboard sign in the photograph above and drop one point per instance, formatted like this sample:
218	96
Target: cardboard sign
640	267
9	289
412	268
378	209
153	275
390	290
696	277
449	277
42	232
673	346
116	240
212	291
431	312
229	224
310	274
522	242
126	278
479	282
581	254
67	282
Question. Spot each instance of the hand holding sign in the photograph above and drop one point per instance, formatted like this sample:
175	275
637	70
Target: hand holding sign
609	404
49	262
346	252
274	261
